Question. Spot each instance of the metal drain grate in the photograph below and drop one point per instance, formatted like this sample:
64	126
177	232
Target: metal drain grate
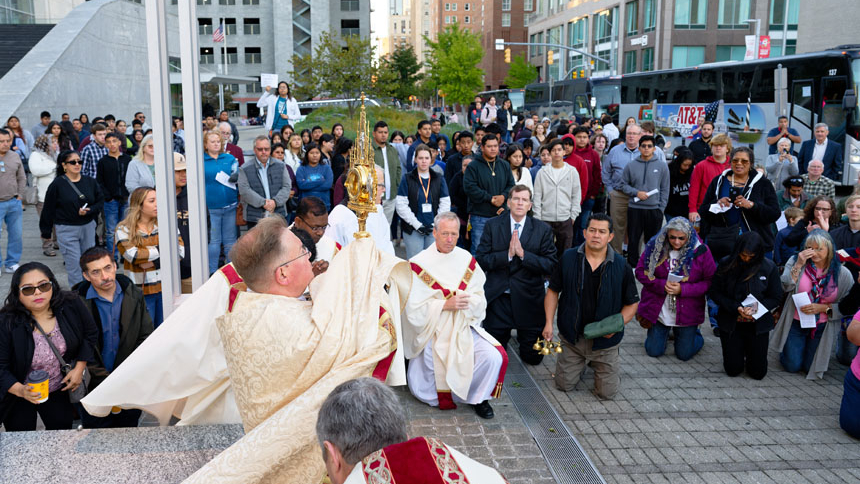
566	460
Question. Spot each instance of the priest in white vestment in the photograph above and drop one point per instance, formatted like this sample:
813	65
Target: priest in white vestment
452	359
362	431
285	354
343	222
179	370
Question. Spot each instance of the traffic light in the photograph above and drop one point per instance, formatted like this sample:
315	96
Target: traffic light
508	55
582	73
549	55
575	74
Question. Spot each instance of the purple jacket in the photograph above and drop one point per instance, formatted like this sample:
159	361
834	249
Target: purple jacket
690	304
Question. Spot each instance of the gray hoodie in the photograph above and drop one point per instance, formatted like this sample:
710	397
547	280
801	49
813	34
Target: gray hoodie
645	176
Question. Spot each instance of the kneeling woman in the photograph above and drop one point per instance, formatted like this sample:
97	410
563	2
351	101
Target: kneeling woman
675	272
743	336
849	414
816	271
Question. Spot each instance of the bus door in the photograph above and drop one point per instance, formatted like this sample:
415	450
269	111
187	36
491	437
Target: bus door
802	104
832	112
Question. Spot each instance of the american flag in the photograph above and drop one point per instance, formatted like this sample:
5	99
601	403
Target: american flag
218	35
711	111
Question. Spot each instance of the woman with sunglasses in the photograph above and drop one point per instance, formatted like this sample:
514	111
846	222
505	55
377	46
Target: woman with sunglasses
72	204
675	272
36	310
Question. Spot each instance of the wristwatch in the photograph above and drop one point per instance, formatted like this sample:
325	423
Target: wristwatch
829	310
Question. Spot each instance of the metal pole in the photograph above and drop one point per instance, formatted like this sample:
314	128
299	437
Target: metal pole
193	116
159	95
223	26
785	28
757	37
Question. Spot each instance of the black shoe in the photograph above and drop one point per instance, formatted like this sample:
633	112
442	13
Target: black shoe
484	410
716	331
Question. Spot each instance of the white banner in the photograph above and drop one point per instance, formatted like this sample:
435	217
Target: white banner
752	47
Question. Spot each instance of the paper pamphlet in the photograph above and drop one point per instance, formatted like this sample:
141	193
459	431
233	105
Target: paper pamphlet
224	179
781	222
270	80
717	208
650	194
752	301
806	320
674	277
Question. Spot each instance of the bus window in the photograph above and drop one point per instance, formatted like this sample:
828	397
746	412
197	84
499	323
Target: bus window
801	102
580	105
707	85
607	100
832	113
516	97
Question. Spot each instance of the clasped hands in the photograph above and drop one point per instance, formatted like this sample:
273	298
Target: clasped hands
673	288
515	248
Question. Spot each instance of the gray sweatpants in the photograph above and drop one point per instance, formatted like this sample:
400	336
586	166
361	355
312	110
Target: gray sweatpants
73	241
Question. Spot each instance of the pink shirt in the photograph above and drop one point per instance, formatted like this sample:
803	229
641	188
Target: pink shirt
45	359
804	284
855	363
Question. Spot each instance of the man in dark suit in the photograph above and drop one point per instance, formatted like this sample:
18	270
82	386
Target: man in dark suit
821	148
516	252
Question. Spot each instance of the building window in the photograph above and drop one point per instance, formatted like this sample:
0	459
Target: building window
648	59
466	19
603	23
506	5
577	32
250	2
526	20
350	27
528	5
253	87
453	7
349	5
631	13
630	61
226	2
402	27
204	2
691	14
252	26
730	52
231	87
553	35
649	16
447	7
232	55
687	56
733	14
253	55
467	7
506	20
207	55
777	12
204	26
230	26
601	65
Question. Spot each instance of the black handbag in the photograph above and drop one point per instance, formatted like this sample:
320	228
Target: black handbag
80	392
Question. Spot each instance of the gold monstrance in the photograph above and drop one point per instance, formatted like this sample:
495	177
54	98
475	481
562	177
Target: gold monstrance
360	181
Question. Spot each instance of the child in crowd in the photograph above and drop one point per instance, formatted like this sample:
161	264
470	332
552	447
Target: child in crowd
783	251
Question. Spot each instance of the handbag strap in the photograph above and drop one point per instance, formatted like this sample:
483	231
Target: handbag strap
63	363
80	195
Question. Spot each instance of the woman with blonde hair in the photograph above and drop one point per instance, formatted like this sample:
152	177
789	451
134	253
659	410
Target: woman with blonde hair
141	170
817	272
137	240
295	152
43	167
221	200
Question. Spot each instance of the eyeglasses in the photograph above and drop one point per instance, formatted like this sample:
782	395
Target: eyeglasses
315	228
303	254
74	162
30	290
646	146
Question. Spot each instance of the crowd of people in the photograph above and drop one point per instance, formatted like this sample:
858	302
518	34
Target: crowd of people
552	223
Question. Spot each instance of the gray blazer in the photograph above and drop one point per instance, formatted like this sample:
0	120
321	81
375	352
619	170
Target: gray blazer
251	188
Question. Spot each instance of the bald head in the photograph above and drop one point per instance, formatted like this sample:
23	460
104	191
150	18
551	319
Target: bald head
815	169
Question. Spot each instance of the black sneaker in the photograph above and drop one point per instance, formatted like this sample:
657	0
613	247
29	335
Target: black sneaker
484	410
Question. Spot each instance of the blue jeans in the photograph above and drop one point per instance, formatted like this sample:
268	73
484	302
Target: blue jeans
155	308
799	350
849	413
688	340
581	222
114	212
12	212
222	231
477	222
416	242
507	137
845	350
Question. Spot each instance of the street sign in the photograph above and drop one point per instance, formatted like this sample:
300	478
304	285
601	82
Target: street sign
500	44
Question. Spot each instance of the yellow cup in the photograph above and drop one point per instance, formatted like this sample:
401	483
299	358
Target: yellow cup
38	381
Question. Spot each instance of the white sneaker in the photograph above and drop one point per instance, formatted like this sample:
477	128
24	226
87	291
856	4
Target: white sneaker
12	269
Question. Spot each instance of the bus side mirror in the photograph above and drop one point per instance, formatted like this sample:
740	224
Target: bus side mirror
849	100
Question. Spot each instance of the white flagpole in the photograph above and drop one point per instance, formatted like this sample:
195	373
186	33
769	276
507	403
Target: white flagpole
223	63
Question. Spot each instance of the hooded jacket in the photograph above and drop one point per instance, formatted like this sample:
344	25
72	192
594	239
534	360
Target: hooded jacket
703	173
640	175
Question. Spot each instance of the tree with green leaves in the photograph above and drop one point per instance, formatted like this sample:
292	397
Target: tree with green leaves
520	73
341	67
404	63
453	63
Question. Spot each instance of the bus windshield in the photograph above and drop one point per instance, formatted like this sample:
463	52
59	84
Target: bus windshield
517	99
855	84
608	100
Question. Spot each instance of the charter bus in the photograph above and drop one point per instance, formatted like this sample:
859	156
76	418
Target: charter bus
575	98
749	96
515	95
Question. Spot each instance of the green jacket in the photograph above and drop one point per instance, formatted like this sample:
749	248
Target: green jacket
395	171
